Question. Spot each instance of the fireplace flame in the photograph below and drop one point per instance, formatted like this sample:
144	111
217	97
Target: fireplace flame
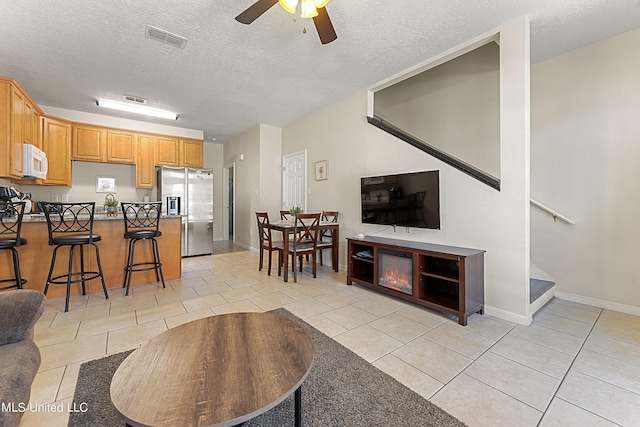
394	279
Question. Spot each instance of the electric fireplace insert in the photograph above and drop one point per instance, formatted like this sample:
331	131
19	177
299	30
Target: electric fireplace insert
395	270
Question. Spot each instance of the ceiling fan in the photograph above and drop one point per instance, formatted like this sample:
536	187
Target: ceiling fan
309	9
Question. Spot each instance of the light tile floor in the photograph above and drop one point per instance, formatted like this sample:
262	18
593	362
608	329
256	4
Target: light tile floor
576	365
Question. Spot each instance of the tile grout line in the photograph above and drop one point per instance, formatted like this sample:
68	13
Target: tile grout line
489	349
564	377
587	410
513	397
551	348
488	385
615	339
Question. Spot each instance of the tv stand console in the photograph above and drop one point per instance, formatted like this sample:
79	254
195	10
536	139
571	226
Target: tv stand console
445	278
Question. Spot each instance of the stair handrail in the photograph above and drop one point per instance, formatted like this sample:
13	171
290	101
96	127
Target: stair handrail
553	213
470	170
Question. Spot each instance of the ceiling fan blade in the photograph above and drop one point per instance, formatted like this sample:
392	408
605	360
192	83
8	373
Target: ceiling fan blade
324	26
254	11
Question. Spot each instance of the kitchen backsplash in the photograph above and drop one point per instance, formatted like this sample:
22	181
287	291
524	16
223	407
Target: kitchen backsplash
83	187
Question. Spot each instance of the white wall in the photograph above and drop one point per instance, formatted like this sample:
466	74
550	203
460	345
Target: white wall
247	183
454	107
83	188
473	214
257	156
270	175
212	159
585	151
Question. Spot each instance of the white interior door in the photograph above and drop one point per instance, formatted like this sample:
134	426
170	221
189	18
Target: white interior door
294	179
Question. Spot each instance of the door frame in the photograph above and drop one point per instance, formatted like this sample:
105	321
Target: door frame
304	176
225	200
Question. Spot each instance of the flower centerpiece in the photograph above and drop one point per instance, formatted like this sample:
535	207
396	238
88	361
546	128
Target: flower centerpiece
296	210
111	203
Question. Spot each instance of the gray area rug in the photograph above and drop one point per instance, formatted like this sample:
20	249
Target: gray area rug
342	389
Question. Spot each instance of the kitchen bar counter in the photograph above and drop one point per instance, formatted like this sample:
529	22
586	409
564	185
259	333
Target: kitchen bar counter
97	217
35	256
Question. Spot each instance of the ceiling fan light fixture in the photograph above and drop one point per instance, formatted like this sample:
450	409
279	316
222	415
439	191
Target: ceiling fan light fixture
308	9
289	5
138	109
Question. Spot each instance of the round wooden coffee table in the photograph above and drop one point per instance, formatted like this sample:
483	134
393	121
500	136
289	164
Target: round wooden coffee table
217	371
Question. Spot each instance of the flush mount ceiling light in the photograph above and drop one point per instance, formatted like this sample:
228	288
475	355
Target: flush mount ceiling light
138	109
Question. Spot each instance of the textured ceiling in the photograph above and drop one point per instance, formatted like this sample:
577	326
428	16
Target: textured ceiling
230	76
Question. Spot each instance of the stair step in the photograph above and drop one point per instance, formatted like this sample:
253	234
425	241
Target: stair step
538	287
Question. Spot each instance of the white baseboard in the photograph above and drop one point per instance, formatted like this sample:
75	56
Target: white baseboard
508	315
609	305
247	247
540	302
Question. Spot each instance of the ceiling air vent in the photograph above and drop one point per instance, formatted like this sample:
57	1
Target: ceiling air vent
165	36
135	99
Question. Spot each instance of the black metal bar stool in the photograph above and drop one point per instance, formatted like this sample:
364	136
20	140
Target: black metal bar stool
141	222
10	225
71	225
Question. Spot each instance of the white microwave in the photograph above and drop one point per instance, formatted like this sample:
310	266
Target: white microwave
34	162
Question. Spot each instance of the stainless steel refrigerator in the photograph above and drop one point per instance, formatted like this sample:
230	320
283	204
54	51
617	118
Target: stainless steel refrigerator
189	192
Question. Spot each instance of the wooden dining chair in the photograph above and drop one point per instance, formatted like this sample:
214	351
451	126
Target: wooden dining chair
267	243
305	242
286	215
325	241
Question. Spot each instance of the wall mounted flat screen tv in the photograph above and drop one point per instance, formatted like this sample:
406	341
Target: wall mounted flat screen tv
405	199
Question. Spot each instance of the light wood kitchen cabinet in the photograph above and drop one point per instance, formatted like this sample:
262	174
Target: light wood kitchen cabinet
105	145
167	151
145	167
56	143
108	145
17	133
178	152
89	143
191	153
121	146
5	129
32	125
17	112
23	122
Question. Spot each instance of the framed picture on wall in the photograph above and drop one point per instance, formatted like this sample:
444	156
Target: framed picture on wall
321	170
106	184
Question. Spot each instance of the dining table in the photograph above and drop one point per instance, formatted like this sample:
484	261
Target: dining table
286	227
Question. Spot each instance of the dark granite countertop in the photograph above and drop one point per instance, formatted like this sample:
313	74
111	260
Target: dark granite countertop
97	217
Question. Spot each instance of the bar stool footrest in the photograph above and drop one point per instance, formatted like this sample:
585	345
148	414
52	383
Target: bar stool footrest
88	275
152	266
22	282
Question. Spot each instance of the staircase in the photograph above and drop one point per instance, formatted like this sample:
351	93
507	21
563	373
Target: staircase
539	283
